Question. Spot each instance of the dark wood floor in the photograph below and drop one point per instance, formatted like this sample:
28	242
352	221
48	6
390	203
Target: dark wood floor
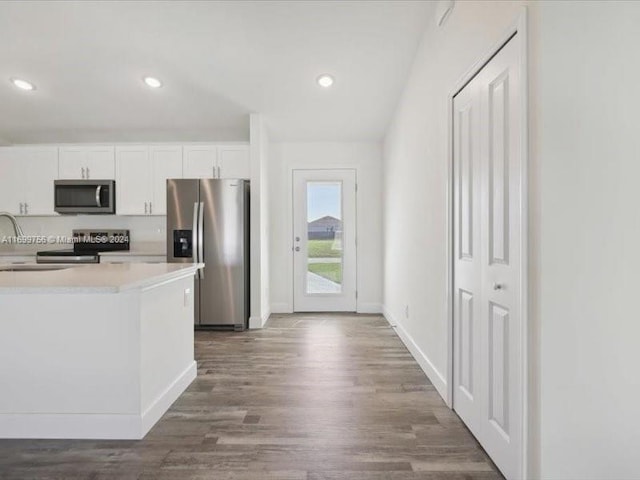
309	397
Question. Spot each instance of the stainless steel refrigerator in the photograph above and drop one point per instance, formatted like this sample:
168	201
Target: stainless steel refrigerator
208	221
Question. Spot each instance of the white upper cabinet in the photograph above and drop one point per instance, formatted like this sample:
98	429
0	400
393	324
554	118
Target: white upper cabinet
141	178
41	170
216	161
141	172
133	180
26	180
234	162
200	161
10	174
87	162
166	162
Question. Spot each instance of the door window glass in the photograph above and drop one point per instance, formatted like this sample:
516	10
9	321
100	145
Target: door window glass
324	237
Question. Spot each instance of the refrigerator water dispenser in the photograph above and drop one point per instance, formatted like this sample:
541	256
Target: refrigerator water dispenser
183	243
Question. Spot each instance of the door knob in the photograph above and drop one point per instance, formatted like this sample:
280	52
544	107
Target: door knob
499	286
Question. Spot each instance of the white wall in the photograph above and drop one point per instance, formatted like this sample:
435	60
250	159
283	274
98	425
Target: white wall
584	223
265	216
589	158
143	228
415	185
415	177
259	261
366	158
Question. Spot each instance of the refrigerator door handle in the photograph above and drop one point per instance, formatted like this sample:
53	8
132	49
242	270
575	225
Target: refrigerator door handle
201	237
194	236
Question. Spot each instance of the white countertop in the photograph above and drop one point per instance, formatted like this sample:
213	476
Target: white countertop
94	278
10	250
155	249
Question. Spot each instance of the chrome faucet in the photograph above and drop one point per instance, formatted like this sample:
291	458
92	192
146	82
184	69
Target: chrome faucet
18	231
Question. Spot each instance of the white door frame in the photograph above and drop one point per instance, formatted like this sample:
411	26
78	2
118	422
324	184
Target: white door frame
350	258
290	167
519	27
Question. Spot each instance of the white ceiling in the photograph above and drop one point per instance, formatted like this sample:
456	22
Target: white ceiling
219	62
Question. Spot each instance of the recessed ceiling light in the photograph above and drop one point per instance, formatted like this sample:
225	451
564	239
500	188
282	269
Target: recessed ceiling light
325	80
23	84
152	82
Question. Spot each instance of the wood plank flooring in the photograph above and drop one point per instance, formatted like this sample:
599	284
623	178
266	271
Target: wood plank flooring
310	397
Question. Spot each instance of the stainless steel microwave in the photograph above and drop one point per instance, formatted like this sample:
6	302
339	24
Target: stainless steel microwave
85	196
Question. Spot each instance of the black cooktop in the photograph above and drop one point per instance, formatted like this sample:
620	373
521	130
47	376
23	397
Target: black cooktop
92	242
67	252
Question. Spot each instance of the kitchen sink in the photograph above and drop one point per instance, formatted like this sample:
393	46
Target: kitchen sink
32	268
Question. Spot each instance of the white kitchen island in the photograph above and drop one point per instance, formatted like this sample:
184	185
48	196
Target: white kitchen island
94	351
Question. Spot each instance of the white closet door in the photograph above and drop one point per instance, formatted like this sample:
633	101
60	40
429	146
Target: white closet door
501	196
467	251
488	178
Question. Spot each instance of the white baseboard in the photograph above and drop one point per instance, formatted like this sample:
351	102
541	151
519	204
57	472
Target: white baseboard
55	425
436	378
362	308
94	426
259	322
281	308
369	308
255	322
161	404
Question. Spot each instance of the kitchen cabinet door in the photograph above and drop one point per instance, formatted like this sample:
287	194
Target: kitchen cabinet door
166	162
71	163
11	175
79	162
234	162
200	161
133	180
26	180
100	163
40	167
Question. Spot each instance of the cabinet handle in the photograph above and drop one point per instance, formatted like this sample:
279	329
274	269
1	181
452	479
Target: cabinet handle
150	208
146	207
88	175
26	209
82	172
21	208
218	172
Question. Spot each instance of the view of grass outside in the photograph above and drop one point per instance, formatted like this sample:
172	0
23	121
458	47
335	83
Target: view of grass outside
328	259
324	236
330	271
323	249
